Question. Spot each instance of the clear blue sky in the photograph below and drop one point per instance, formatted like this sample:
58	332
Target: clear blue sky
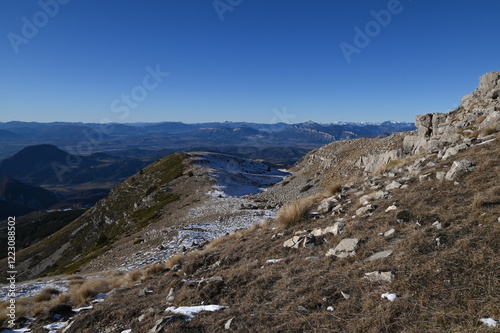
263	55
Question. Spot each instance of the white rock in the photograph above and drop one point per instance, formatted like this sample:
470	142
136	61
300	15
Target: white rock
389	296
393	185
437	225
377	276
425	177
389	233
345	248
459	167
391	208
365	210
379	255
335	229
440	175
227	325
345	295
330	308
293	242
372	196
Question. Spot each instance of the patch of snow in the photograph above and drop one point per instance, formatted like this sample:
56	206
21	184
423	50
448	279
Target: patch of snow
490	322
273	261
330	308
389	296
192	311
127	331
19	330
30	289
237	177
84	308
485	142
54	327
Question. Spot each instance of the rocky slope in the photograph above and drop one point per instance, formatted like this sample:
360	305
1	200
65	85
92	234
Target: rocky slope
179	202
387	235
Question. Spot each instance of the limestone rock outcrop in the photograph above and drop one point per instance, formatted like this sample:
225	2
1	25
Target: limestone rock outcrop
478	112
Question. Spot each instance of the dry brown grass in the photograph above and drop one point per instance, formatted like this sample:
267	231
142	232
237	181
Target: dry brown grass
90	289
46	295
489	130
293	212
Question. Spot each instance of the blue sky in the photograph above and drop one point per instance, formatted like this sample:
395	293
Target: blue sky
243	61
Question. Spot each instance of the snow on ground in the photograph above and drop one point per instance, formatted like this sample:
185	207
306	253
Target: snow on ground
389	296
30	289
192	311
54	327
490	322
273	261
237	177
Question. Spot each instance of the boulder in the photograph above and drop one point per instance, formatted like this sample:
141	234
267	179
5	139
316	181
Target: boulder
373	162
334	229
365	210
327	204
440	175
372	196
491	121
345	248
305	240
454	150
393	185
459	167
293	242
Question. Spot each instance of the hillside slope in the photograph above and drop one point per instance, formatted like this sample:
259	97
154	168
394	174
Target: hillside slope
398	234
165	202
17	198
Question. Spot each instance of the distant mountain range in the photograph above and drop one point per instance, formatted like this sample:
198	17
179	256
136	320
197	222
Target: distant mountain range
88	138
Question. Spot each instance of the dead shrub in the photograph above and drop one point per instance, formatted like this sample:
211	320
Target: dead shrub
155	269
292	213
90	289
46	295
332	189
132	277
